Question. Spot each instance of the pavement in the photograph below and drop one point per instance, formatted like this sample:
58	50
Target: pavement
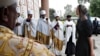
97	44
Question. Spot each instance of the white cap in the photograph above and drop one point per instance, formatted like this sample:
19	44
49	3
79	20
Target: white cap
5	3
43	12
18	10
55	15
30	12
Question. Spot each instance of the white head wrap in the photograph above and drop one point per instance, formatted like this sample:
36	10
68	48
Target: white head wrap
18	10
55	15
43	12
30	12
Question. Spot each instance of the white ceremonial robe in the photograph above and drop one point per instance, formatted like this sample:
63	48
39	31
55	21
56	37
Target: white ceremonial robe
43	27
58	34
70	31
18	29
31	26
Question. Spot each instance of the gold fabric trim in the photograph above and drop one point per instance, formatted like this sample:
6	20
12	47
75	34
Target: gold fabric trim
58	44
6	50
42	38
28	48
45	39
20	45
38	36
28	33
25	30
52	34
5	35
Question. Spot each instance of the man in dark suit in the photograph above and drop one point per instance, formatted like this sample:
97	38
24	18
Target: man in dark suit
95	24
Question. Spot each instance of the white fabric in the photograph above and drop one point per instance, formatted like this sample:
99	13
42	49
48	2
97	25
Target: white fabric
57	52
70	31
18	10
14	42
43	12
4	3
44	27
32	26
18	29
30	12
58	33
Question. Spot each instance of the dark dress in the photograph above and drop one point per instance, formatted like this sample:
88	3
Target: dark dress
84	29
70	50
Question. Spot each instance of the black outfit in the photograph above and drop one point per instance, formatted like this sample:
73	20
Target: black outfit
70	50
84	29
95	25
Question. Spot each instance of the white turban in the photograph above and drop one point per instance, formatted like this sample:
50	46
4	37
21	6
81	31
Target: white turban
18	10
5	3
30	12
43	12
55	15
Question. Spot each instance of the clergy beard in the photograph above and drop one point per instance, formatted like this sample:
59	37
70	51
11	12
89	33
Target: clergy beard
18	15
56	19
69	19
43	17
28	20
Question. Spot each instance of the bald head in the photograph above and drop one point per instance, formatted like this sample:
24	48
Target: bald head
8	13
5	3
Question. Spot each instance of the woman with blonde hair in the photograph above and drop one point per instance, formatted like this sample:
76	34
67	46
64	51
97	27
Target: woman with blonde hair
84	45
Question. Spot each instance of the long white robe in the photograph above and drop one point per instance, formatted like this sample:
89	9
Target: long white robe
70	31
31	26
44	27
18	29
58	33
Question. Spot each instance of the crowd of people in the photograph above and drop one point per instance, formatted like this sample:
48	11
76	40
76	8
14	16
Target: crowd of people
34	38
45	30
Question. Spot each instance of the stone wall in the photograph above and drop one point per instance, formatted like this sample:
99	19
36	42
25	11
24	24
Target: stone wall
26	5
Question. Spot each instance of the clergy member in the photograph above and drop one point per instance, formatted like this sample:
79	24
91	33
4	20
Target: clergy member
58	36
70	30
30	26
43	29
19	23
10	43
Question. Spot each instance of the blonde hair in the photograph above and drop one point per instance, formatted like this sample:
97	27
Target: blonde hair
82	11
